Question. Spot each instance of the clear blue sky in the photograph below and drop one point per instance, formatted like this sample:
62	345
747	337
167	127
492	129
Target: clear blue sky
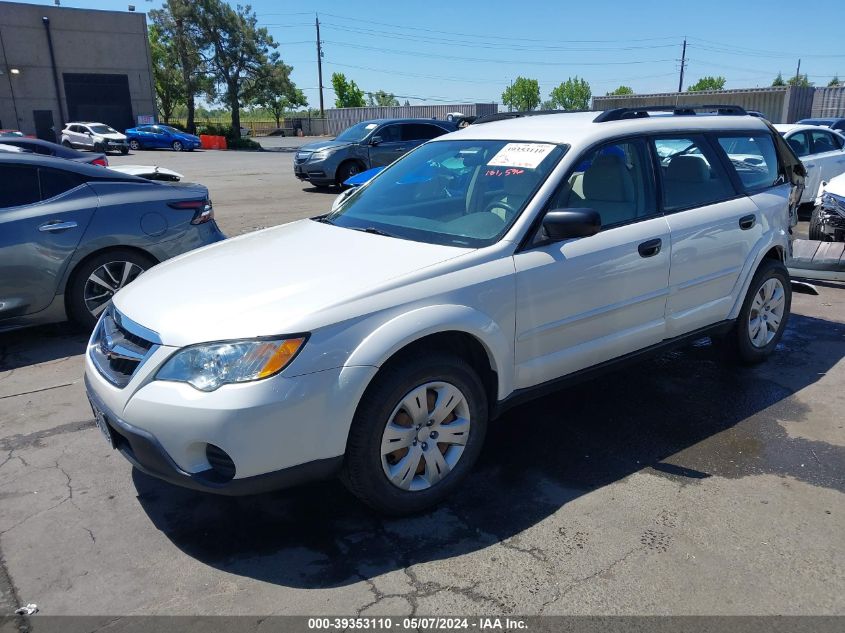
469	50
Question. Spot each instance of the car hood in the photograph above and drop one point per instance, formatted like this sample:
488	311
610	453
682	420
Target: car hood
836	185
313	147
282	280
113	136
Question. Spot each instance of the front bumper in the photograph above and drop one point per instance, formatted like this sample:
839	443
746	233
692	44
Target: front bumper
316	173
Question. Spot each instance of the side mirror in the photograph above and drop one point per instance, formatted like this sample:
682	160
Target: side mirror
88	134
564	224
376	140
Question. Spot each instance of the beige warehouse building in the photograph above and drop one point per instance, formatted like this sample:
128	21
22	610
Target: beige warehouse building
60	64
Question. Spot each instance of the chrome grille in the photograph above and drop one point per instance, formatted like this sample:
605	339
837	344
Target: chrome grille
301	157
119	347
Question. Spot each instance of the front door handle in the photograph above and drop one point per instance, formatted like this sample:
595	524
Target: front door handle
810	165
52	227
747	221
650	248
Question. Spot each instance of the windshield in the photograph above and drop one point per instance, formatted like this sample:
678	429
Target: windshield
102	129
458	193
356	132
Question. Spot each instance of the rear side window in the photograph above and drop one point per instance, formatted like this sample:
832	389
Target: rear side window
754	158
20	185
691	174
54	182
420	132
823	142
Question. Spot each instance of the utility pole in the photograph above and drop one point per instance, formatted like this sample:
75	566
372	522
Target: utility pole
320	65
683	65
798	74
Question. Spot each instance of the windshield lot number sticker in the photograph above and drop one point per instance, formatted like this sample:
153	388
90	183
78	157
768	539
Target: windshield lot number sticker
528	155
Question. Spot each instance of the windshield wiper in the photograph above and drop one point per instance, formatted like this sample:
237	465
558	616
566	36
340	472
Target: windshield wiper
373	230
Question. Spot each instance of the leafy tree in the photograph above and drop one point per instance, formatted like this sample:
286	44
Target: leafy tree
572	94
800	81
779	80
548	105
382	98
833	83
237	50
347	93
522	94
622	90
275	92
407	103
170	89
708	83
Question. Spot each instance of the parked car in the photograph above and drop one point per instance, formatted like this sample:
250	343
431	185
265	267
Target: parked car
151	136
150	172
72	234
485	267
820	149
11	133
363	146
46	148
833	123
97	137
827	223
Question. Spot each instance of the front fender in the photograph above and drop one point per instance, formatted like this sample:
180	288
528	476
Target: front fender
411	326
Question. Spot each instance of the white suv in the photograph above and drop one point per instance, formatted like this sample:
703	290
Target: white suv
485	266
97	137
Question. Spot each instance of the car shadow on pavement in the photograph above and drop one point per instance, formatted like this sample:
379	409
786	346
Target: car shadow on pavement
685	415
327	190
40	344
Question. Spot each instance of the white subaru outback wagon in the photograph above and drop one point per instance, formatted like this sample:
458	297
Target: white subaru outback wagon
488	265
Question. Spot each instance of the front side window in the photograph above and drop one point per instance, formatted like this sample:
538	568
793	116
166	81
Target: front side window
754	158
460	193
614	180
691	174
390	134
799	143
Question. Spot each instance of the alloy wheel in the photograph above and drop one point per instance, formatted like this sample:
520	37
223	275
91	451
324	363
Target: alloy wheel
425	436
766	313
105	281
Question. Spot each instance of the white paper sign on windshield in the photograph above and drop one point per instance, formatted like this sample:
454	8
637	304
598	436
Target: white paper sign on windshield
527	155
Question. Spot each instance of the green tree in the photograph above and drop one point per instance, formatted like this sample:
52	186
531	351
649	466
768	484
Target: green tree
833	83
170	89
275	92
779	80
522	94
708	83
347	93
236	49
800	81
622	90
382	98
572	94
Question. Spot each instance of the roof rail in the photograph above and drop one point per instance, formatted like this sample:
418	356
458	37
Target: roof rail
501	116
618	114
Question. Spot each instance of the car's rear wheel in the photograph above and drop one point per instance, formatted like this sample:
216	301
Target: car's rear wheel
134	145
177	146
815	231
416	434
764	313
97	280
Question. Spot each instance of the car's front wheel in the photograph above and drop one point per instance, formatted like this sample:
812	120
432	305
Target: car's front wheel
816	231
67	144
97	280
417	432
764	313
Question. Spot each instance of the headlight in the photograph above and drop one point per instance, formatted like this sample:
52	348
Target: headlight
206	367
322	154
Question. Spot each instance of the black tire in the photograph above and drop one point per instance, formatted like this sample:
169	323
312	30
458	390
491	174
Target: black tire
362	471
100	148
75	292
347	170
177	146
815	231
124	150
134	145
739	345
67	144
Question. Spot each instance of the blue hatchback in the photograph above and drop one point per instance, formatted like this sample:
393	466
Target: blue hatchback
149	136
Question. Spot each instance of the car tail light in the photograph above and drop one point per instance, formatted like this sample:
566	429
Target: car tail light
203	211
102	162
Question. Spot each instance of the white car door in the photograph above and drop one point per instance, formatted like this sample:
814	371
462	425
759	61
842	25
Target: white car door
584	301
827	153
713	229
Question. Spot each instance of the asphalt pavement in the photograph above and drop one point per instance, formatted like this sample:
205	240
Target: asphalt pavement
678	486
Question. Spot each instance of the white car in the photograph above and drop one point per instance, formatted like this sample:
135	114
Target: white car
484	267
97	137
822	151
827	222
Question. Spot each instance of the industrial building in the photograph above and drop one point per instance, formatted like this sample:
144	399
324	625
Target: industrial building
61	64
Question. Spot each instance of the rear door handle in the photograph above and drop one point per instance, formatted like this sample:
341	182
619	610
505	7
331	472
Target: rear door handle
810	165
747	221
650	248
52	227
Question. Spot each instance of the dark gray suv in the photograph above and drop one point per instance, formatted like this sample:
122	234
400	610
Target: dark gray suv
363	146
